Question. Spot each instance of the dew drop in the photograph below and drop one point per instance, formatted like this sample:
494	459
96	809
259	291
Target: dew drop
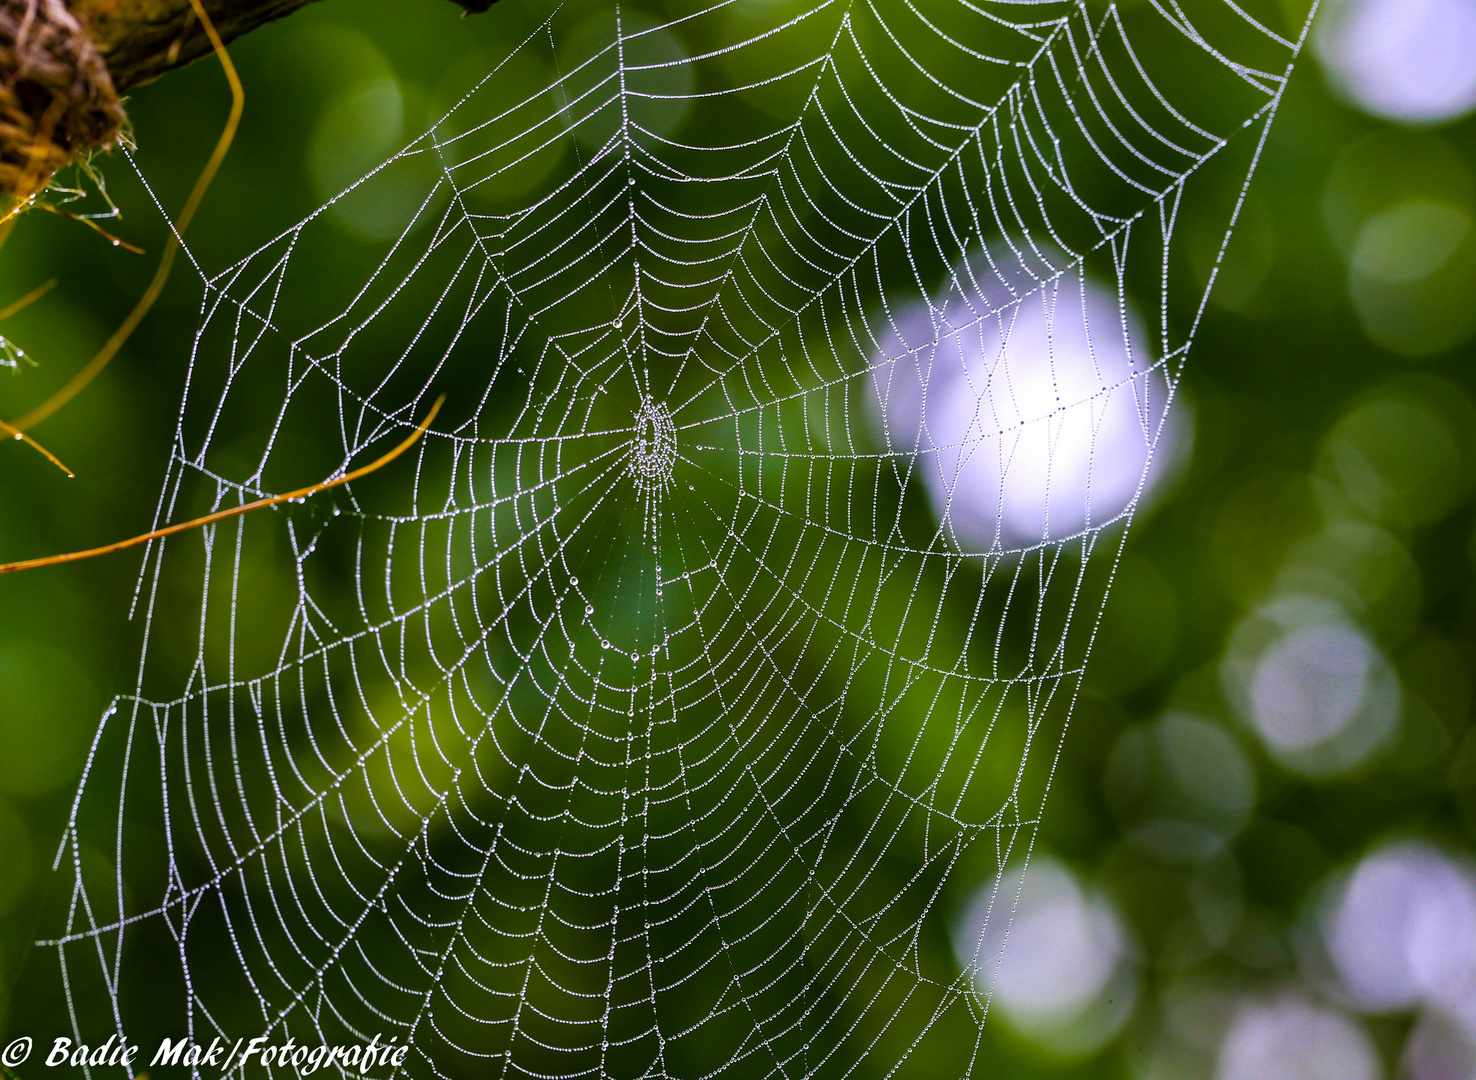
573	581
604	644
589	609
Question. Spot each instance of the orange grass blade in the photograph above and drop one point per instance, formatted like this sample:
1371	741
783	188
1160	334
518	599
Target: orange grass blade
235	511
16	433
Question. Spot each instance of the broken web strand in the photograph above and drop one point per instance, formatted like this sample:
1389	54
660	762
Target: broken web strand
503	789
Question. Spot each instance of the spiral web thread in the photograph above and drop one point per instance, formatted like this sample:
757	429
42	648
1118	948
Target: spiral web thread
647	719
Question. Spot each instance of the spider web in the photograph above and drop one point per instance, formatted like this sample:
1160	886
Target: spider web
654	714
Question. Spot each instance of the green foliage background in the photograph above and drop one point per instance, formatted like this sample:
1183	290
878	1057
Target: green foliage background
1324	458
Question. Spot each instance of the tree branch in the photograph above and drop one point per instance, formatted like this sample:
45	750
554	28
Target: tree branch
63	65
139	40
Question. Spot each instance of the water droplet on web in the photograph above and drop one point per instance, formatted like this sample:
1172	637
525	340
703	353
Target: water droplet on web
604	644
616	325
336	511
589	609
573	581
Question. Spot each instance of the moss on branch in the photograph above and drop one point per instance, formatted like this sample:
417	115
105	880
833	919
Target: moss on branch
63	66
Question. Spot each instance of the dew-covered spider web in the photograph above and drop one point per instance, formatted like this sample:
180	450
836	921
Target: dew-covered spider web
656	713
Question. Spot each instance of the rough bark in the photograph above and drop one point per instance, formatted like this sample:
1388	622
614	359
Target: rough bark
139	40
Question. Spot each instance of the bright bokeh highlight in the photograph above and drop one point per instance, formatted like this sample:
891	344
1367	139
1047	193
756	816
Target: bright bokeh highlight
1312	685
1031	418
1402	931
1295	1040
1059	969
1412	61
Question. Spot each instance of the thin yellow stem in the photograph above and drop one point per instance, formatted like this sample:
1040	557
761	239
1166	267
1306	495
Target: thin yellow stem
171	247
94	226
16	433
235	511
5	429
26	301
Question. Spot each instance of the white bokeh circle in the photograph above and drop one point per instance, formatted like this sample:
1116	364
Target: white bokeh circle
1293	1039
1030	413
1058	965
1401	930
1312	685
1411	61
